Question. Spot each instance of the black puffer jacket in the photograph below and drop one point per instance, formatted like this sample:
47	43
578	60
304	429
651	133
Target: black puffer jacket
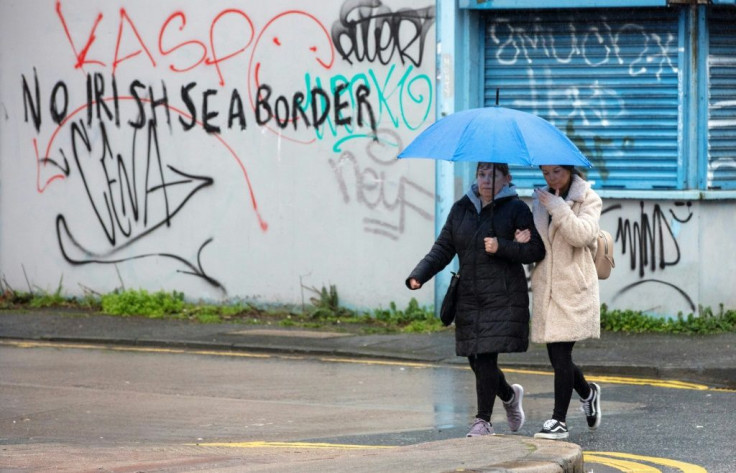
493	301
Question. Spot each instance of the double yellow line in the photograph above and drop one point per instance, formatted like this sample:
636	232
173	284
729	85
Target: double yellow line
623	462
661	383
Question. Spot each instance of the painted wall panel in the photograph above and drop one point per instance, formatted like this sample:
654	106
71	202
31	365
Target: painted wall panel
669	255
227	151
652	260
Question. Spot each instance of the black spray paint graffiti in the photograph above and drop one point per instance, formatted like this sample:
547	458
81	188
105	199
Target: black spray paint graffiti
113	195
122	203
369	31
652	245
370	186
646	239
195	106
134	193
284	111
121	209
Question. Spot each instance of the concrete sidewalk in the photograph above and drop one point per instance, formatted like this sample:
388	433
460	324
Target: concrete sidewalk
709	360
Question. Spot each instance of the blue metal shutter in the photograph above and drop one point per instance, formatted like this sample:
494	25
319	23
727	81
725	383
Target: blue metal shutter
722	99
607	78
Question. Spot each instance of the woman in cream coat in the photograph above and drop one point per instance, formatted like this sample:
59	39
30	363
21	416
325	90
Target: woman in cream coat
566	303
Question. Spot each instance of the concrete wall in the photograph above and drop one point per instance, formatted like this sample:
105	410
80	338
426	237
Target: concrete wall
137	152
671	256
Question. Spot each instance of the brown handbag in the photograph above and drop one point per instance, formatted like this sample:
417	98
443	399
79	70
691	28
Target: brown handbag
603	256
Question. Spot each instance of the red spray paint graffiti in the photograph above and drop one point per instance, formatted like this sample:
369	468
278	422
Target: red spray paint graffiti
42	161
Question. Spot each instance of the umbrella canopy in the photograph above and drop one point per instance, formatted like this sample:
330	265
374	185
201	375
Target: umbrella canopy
495	134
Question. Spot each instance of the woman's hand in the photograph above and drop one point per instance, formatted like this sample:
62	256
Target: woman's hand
414	284
491	244
522	236
546	198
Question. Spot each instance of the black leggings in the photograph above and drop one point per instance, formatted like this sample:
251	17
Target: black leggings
567	377
489	383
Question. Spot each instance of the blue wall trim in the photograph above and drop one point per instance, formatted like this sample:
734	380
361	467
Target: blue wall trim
701	79
654	195
535	4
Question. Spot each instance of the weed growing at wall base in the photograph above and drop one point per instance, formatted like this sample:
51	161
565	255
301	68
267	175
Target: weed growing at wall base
11	298
325	312
706	322
155	305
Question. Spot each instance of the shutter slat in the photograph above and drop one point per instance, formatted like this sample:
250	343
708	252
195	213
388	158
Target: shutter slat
608	79
722	99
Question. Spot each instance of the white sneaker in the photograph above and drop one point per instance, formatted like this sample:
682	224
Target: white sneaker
480	427
514	410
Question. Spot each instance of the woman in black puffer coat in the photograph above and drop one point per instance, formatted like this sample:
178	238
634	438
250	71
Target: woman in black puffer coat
492	314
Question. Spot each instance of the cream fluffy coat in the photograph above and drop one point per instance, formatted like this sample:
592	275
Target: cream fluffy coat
566	301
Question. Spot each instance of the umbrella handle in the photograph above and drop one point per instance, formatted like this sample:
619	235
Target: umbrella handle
492	230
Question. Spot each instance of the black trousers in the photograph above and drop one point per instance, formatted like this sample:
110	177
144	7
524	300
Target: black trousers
489	383
567	377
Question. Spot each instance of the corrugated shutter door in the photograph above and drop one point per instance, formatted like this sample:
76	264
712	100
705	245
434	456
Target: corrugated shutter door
607	78
722	99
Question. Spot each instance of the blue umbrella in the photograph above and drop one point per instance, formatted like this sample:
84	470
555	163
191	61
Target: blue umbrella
495	134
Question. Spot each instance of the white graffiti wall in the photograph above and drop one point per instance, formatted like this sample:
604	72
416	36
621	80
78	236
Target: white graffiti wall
246	151
671	255
227	150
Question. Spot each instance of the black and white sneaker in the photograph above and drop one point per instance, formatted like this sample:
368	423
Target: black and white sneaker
592	407
553	429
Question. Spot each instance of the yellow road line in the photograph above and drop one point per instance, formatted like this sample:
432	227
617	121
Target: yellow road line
661	383
87	346
682	466
403	364
621	465
309	445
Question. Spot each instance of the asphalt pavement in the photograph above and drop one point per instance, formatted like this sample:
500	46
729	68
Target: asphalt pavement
703	359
